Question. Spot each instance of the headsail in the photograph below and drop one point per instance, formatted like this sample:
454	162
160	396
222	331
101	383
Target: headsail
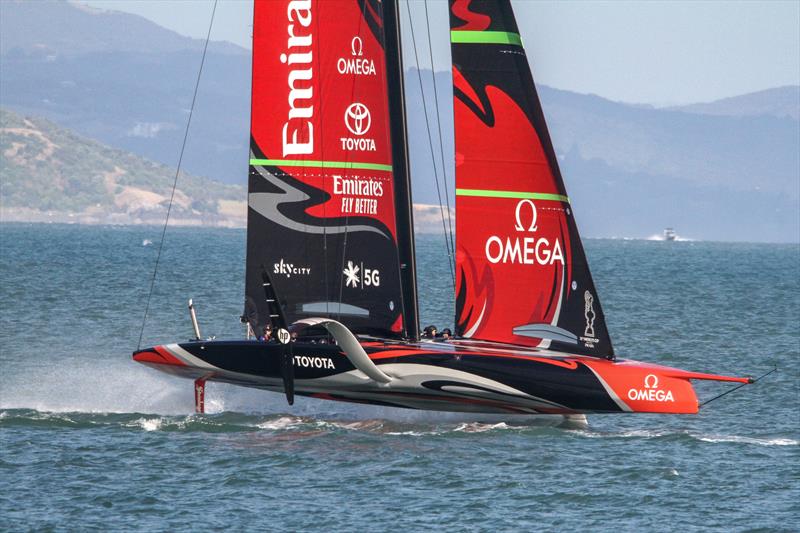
522	275
321	203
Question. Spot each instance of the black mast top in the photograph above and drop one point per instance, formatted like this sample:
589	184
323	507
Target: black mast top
399	136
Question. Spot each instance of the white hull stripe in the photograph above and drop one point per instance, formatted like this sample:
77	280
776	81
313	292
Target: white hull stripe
622	405
187	358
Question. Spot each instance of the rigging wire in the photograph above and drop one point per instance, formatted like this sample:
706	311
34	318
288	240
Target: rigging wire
322	175
346	215
430	144
441	139
749	382
177	173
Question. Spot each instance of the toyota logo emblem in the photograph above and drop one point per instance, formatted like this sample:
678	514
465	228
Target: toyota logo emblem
357	119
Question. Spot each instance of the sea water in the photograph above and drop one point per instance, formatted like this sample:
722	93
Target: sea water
91	440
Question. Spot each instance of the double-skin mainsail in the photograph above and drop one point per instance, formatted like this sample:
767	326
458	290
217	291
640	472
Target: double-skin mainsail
329	209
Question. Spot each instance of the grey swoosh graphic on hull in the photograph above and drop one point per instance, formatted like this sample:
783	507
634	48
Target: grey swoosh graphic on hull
546	331
266	204
337	308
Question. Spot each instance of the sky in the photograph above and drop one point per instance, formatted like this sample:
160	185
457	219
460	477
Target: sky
656	52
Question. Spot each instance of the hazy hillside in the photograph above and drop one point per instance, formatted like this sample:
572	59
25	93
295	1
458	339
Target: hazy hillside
778	102
58	28
632	171
51	174
727	170
127	82
747	153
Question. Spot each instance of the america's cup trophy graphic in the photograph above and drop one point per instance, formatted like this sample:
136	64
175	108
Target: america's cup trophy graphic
588	312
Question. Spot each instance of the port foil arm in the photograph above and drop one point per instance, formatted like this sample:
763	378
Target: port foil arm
349	344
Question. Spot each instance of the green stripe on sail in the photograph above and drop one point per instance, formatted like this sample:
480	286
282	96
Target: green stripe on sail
485	37
319	164
485	193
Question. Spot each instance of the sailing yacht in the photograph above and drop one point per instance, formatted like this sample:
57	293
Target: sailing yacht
330	241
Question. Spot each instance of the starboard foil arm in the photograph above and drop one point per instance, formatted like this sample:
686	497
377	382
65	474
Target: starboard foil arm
349	345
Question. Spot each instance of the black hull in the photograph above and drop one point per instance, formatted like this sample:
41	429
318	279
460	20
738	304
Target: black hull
461	376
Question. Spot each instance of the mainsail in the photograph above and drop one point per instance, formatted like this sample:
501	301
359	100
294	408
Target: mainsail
522	275
322	213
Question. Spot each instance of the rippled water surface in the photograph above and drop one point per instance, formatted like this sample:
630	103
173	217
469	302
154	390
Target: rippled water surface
89	439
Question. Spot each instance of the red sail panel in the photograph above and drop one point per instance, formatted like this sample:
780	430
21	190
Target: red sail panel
321	198
522	275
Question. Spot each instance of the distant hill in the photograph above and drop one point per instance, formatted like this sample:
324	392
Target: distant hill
727	170
745	153
51	174
56	28
127	82
778	102
631	171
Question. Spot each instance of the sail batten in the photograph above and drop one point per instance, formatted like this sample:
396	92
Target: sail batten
521	270
485	37
487	193
320	164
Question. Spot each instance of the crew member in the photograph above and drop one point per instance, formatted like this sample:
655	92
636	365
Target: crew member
266	336
429	332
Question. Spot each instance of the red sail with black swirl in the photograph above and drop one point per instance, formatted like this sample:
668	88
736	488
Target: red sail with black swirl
522	275
321	202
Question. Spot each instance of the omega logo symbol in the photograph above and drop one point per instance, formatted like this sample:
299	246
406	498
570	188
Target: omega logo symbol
651	392
357	46
520	226
357	118
526	250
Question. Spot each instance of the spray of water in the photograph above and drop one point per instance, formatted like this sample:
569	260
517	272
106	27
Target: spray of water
165	402
117	385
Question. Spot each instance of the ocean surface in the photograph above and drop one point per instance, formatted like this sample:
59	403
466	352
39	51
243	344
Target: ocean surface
91	440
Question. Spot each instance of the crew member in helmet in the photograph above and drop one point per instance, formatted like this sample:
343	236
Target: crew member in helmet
266	335
446	334
429	332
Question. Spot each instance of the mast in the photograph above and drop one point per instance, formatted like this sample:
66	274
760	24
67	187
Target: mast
399	136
